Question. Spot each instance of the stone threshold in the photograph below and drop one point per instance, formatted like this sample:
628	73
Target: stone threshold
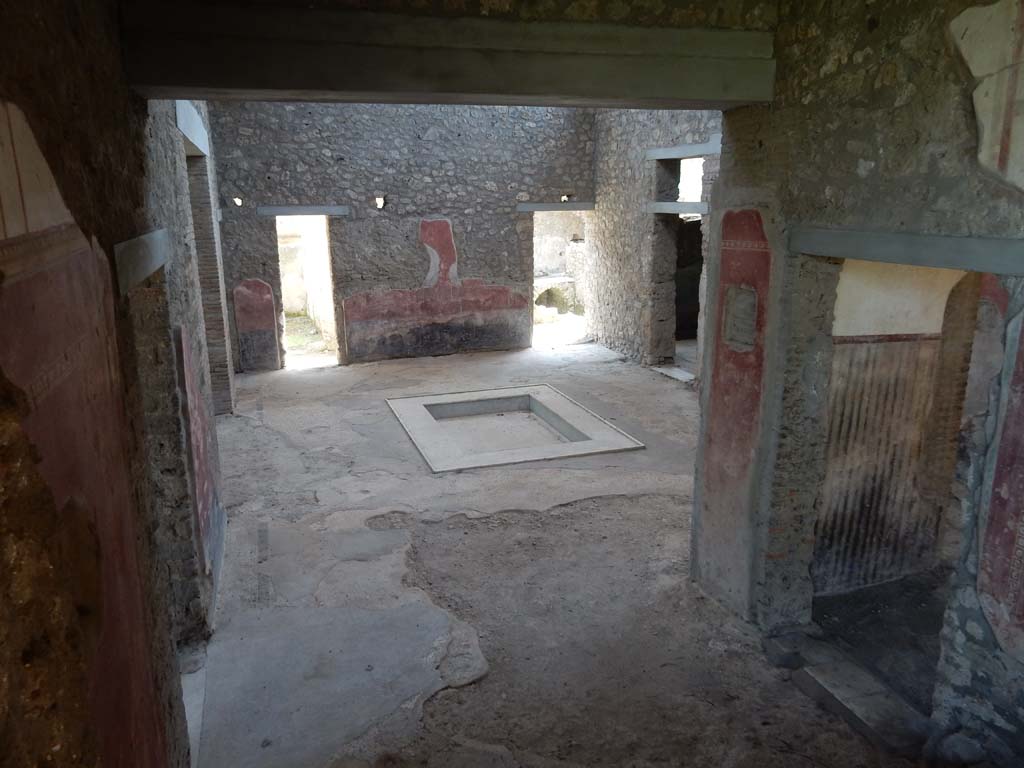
847	690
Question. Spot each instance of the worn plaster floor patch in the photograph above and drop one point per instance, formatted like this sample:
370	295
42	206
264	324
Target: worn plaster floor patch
509	425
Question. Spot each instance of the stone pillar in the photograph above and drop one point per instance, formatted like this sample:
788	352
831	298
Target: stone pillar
167	459
211	280
723	527
793	454
764	418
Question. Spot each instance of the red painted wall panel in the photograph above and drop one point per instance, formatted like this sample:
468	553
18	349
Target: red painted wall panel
57	294
446	315
734	407
738	373
1001	573
208	509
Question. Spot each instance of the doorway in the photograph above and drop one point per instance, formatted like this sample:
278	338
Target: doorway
689	267
559	259
307	292
689	264
678	258
887	530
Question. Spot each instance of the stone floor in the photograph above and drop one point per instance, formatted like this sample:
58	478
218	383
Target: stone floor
374	613
305	347
892	630
684	367
552	331
686	355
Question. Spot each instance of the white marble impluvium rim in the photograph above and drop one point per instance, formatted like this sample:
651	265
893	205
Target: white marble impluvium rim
598	435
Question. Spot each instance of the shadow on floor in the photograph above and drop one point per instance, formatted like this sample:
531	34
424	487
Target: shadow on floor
892	630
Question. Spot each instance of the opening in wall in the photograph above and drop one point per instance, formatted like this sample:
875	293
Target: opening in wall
691	183
668	179
886	531
689	264
307	292
559	260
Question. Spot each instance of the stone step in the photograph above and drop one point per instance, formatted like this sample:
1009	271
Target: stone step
866	703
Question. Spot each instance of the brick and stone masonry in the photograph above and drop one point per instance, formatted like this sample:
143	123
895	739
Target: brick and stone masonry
629	280
872	128
469	165
202	191
171	298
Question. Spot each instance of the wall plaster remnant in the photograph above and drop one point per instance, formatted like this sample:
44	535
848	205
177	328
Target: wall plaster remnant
256	322
991	40
445	315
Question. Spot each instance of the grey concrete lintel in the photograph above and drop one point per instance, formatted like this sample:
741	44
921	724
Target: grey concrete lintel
190	123
684	151
263	52
140	257
679	209
303	210
1001	256
531	207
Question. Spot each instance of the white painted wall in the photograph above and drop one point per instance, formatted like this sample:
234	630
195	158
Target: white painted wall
882	299
289	247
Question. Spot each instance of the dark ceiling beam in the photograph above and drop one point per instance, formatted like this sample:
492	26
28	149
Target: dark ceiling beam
225	52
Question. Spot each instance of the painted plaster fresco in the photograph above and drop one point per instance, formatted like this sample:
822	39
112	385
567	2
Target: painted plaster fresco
875	525
991	40
56	288
736	382
446	315
208	510
256	321
1001	571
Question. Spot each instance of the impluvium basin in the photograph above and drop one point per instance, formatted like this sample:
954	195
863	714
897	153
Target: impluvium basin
509	425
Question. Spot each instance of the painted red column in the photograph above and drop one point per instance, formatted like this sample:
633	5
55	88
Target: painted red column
734	408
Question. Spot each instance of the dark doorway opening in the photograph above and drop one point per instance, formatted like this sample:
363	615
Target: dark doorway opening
689	263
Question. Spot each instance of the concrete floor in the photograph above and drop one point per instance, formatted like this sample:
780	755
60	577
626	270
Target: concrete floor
374	613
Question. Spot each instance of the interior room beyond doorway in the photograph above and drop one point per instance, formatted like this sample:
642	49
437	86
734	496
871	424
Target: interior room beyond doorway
310	331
